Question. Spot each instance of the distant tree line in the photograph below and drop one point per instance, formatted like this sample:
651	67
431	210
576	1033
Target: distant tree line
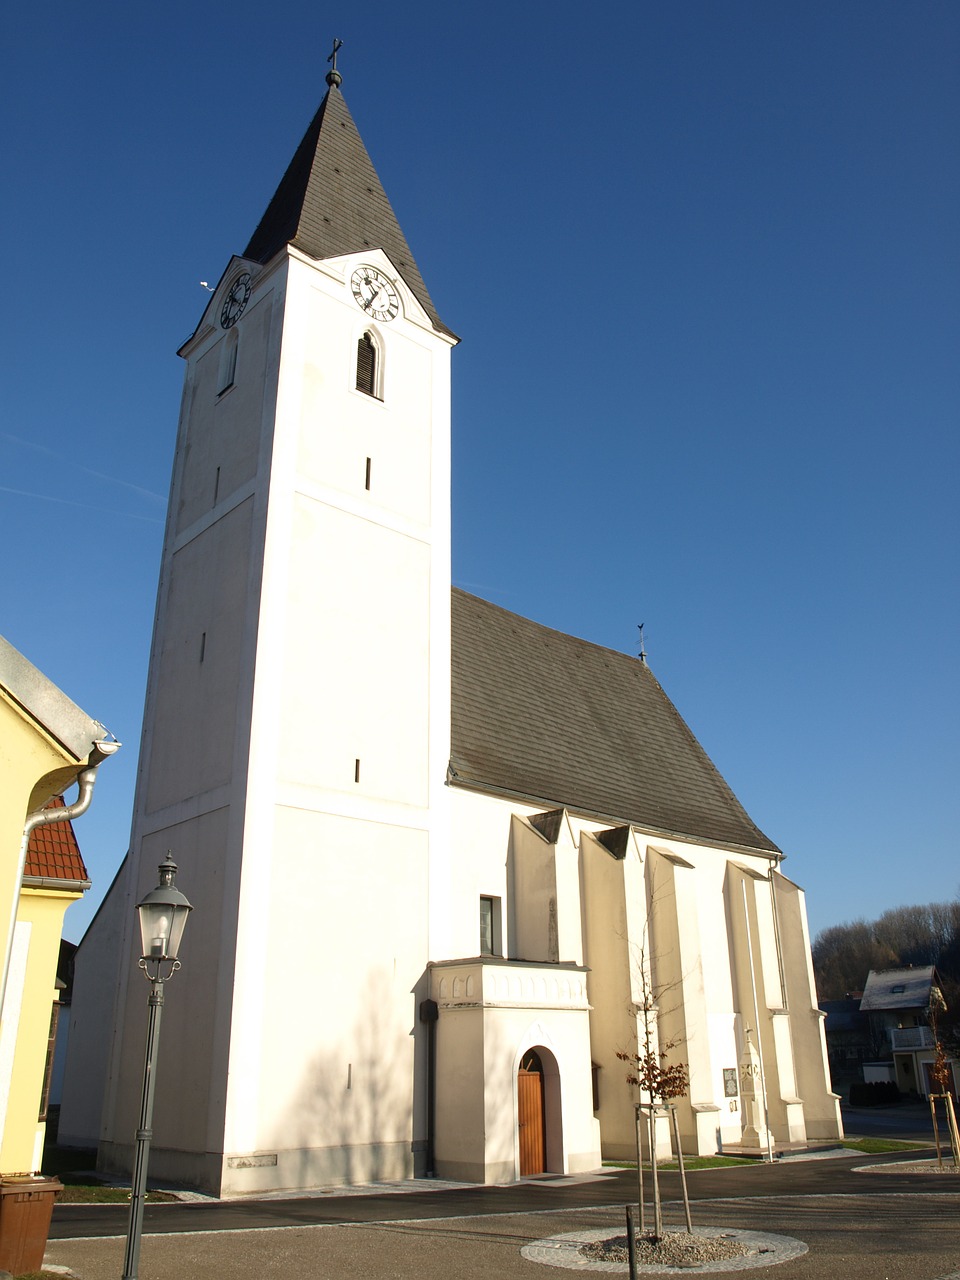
844	954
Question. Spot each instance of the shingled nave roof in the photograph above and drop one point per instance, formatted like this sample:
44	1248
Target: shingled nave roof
550	718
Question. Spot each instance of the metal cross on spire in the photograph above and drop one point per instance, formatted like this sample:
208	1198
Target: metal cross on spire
334	78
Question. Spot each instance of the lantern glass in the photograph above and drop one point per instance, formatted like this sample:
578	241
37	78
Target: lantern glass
163	916
161	928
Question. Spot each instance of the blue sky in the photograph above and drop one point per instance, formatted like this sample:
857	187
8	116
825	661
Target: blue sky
704	261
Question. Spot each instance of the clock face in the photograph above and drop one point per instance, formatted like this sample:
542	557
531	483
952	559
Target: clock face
375	294
236	300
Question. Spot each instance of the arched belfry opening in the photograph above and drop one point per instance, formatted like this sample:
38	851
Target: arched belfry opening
369	366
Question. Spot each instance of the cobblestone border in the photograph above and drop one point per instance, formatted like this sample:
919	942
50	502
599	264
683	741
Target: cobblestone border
563	1251
912	1166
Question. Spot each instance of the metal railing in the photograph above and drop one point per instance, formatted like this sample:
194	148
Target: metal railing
911	1038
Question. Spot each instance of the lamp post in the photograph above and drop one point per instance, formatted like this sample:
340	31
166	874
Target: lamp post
163	915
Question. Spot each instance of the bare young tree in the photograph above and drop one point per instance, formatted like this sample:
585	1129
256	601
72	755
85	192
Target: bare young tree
942	1073
649	1071
661	1082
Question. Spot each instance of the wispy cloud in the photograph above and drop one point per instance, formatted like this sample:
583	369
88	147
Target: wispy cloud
77	466
84	506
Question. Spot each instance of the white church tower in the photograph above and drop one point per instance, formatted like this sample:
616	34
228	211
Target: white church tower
297	724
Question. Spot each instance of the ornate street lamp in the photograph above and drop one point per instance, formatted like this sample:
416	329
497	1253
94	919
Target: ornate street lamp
163	915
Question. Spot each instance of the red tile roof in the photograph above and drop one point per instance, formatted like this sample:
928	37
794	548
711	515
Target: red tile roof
53	850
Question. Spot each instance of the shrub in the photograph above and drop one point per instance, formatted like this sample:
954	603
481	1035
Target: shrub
875	1093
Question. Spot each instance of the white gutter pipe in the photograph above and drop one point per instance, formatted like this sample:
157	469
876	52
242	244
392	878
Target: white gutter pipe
86	780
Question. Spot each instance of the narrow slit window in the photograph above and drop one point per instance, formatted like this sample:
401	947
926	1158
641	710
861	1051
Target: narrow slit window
367	365
366	484
228	362
356	770
490	940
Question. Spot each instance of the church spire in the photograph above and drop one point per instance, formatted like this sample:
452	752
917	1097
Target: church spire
331	202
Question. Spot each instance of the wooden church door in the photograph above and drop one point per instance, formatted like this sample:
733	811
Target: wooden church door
530	1115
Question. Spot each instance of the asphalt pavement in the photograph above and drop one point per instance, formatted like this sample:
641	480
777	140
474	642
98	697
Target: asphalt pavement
908	1121
860	1218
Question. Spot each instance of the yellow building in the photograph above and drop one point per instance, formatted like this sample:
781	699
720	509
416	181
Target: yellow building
47	745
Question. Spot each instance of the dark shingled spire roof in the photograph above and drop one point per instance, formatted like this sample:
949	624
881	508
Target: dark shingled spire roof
553	719
331	202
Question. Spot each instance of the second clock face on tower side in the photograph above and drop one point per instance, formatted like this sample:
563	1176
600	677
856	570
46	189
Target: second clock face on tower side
374	293
236	300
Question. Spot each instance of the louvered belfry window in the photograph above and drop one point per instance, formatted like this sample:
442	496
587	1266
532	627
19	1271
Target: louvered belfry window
367	365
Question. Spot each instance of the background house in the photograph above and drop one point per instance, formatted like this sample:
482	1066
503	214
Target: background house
65	987
896	1003
48	745
849	1041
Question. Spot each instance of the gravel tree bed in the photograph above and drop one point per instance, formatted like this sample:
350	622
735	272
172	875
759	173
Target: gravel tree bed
706	1249
673	1249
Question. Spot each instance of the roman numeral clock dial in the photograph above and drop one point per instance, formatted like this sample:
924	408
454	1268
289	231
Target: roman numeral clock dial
374	294
236	300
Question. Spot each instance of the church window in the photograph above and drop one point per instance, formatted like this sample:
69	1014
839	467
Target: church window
490	927
228	362
369	372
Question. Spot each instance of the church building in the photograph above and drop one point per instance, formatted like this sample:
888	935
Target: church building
445	862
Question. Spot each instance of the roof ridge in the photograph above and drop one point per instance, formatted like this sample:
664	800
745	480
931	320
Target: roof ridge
532	622
542	713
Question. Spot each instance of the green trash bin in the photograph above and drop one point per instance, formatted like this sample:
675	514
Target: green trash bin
26	1205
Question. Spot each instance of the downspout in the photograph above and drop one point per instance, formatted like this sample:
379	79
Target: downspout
86	780
774	869
429	1013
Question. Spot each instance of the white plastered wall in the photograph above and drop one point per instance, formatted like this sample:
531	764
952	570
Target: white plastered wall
491	1013
703	982
92	1027
821	1104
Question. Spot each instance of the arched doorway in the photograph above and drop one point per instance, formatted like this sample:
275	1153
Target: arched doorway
531	1118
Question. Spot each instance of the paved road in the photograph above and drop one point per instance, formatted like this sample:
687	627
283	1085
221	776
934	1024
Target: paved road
617	1187
858	1226
909	1121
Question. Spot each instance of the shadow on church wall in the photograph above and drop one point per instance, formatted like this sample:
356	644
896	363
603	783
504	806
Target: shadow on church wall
350	1117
